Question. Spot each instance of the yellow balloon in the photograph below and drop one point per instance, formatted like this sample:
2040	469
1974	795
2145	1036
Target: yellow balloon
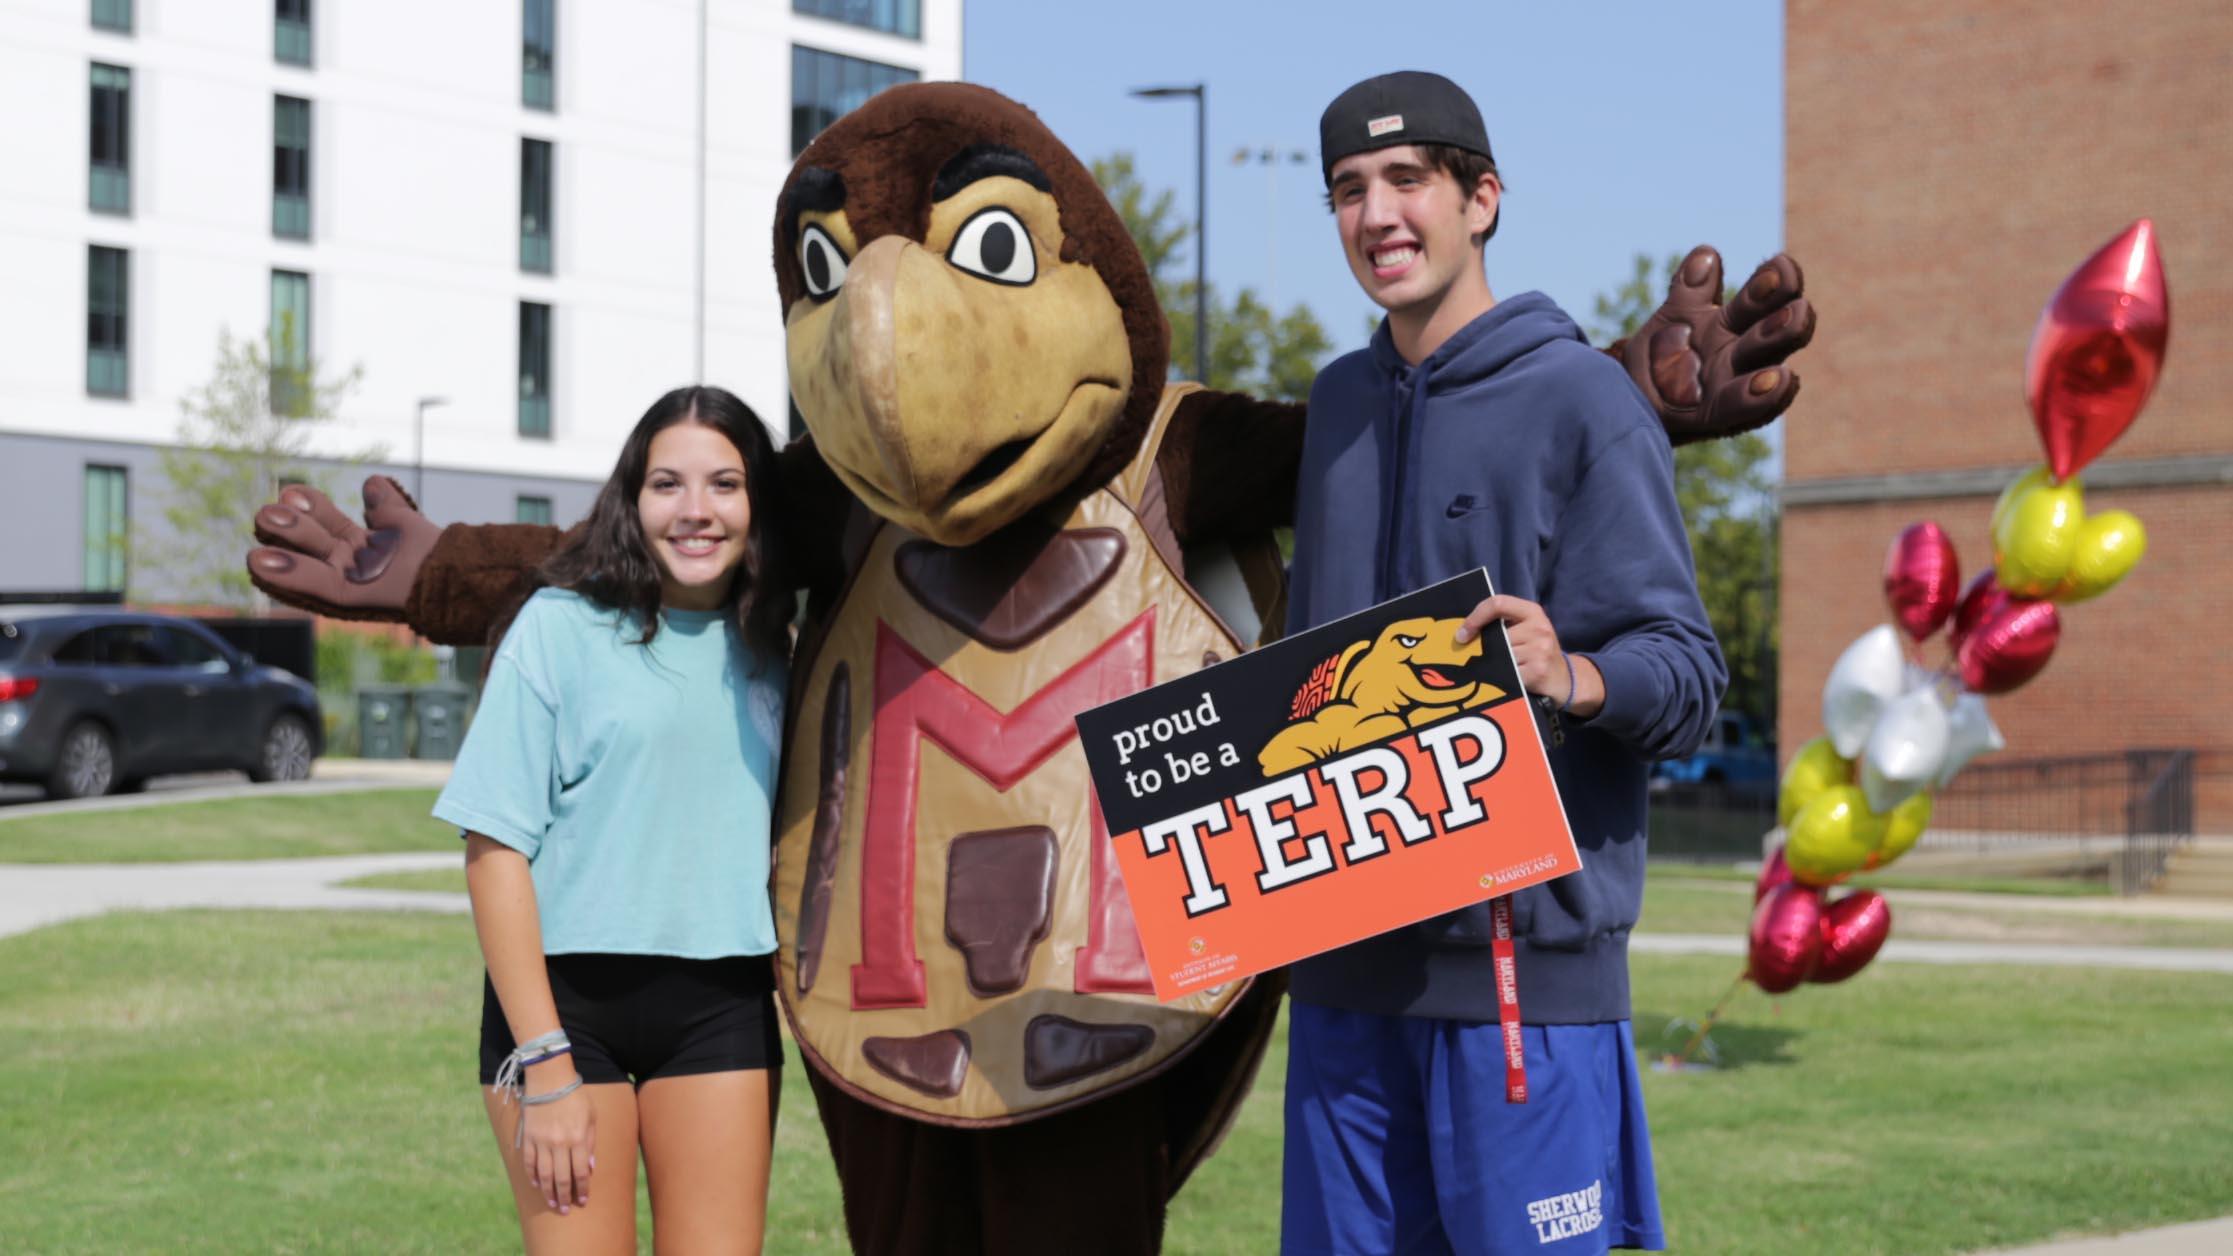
2036	535
1832	836
1815	768
2109	546
2022	484
1903	827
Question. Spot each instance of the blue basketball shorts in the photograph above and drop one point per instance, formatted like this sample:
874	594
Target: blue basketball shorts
1399	1140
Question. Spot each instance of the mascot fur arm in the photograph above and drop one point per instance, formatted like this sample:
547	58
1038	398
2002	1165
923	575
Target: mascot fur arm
1229	463
1709	368
453	585
473	578
475	574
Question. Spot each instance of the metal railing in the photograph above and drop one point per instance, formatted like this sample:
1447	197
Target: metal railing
2136	807
2140	803
2159	818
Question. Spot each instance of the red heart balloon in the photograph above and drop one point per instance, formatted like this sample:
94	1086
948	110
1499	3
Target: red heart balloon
2097	350
1981	600
2009	646
1853	931
1773	872
1921	577
1786	941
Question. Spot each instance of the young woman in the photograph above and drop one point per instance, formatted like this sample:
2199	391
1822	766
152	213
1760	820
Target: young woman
614	793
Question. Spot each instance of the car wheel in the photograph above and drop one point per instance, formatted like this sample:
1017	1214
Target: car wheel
86	768
286	752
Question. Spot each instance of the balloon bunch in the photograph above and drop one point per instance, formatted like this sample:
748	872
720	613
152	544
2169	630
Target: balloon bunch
1860	796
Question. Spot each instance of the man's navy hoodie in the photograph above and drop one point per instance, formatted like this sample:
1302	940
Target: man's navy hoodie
1517	447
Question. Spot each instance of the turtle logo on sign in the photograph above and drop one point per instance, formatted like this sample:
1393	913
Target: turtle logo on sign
1413	673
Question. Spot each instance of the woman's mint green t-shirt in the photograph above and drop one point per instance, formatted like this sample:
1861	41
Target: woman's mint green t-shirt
637	779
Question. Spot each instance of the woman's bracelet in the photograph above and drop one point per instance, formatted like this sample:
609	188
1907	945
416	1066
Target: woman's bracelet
552	1096
519	1131
509	1082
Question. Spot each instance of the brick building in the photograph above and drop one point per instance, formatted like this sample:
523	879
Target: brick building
1948	163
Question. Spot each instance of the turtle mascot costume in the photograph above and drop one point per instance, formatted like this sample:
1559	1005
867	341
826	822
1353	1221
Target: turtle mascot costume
1002	511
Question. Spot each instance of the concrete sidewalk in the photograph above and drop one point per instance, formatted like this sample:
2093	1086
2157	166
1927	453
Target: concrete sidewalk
35	895
2196	1238
327	776
2153	958
2135	906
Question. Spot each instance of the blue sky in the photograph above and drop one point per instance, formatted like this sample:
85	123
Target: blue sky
1619	128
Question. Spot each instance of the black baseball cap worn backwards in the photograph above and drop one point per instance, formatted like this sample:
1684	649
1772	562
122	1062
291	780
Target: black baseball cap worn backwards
1406	107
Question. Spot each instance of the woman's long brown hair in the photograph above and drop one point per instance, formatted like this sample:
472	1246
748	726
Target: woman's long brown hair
608	560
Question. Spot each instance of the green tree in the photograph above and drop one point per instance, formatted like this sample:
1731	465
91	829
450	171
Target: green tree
242	436
1729	505
1253	348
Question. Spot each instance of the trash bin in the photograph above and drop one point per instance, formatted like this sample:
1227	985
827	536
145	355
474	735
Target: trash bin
438	712
383	721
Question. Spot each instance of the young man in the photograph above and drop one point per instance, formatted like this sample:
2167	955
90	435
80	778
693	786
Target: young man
1474	432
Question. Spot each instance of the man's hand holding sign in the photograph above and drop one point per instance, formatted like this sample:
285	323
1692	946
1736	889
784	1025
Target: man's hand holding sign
1547	671
1362	776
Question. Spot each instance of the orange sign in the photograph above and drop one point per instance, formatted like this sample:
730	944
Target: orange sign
1360	777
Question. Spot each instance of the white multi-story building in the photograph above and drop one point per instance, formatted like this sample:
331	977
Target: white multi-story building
542	213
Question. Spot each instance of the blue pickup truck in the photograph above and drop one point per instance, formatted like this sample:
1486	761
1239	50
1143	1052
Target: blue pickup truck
1735	756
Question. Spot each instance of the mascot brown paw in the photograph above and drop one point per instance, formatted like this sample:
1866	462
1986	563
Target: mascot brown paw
1716	370
316	557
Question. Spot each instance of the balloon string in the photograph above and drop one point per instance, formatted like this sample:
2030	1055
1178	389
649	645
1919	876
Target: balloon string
1705	1027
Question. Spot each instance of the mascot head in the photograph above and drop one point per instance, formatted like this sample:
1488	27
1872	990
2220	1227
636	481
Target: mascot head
971	332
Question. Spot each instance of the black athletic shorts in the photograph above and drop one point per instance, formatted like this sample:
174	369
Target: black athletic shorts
633	1018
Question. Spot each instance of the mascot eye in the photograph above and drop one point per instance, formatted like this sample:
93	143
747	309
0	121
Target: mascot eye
995	245
822	262
1408	643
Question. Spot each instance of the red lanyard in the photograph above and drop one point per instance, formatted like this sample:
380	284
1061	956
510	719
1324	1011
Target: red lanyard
1508	1001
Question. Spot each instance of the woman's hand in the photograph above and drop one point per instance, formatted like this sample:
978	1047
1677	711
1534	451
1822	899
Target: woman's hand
558	1139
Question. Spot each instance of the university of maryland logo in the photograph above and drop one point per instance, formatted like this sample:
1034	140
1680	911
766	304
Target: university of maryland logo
1412	673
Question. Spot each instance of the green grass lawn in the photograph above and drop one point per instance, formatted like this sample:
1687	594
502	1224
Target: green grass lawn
1675	904
238	1081
446	880
276	827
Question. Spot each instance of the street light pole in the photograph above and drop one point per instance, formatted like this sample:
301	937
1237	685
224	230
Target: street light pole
1200	92
418	449
1269	158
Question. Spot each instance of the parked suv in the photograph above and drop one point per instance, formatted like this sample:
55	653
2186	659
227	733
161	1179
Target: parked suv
1735	757
95	700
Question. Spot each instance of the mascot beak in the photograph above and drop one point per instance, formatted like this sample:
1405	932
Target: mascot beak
952	405
855	378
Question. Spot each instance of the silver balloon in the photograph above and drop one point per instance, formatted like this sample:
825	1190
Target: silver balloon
1868	677
1969	733
1906	750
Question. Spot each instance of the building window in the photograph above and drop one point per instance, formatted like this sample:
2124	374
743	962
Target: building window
290	167
113	15
290	342
112	139
826	86
534	205
539	31
290	32
108	534
893	17
534	510
534	369
107	301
